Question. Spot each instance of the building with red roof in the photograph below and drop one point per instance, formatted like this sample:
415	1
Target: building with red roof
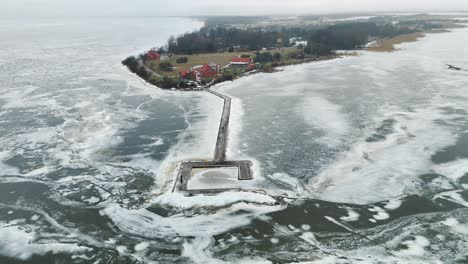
187	75
241	61
209	71
153	55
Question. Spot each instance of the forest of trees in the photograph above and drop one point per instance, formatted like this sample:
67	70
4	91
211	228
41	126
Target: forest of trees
208	40
321	41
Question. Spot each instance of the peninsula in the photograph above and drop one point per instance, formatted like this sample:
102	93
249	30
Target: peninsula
227	48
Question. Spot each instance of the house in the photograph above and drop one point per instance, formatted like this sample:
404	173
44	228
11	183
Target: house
186	75
209	71
240	62
205	71
153	55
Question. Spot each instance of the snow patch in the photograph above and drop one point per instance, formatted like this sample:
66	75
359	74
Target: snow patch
19	243
351	217
219	200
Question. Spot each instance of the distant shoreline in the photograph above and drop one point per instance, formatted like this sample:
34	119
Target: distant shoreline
382	45
388	44
273	69
196	61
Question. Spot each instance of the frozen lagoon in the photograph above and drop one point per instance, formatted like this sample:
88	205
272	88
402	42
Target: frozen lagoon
368	153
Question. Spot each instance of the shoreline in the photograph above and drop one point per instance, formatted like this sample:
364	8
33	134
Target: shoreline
184	69
389	44
382	45
277	68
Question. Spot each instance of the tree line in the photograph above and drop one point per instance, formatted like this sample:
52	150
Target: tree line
321	40
209	40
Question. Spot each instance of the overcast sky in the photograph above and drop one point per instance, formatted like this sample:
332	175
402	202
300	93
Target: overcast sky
26	8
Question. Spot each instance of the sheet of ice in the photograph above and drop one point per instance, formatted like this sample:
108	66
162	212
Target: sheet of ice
18	242
323	115
451	222
393	204
456	226
351	217
452	196
416	247
310	238
377	171
219	200
21	98
141	246
289	183
274	240
198	251
381	214
144	223
453	170
121	249
7	169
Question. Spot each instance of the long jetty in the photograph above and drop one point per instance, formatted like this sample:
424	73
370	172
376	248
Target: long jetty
221	141
219	158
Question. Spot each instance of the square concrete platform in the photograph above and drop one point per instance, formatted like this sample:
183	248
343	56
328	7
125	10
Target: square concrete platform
210	177
214	178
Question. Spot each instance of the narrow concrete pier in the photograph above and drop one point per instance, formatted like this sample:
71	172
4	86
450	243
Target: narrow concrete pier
244	171
221	142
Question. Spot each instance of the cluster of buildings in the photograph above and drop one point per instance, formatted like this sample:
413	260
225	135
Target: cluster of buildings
208	71
246	63
212	70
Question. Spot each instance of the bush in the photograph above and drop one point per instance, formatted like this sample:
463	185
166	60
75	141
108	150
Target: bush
263	57
318	49
165	66
135	67
183	84
167	83
182	60
245	56
296	55
130	62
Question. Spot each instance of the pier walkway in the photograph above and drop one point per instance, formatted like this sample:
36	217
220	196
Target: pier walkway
221	141
219	161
